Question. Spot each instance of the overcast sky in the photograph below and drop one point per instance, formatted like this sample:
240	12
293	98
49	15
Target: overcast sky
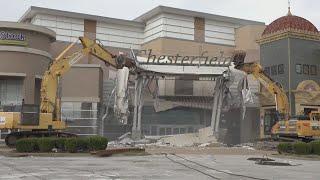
259	10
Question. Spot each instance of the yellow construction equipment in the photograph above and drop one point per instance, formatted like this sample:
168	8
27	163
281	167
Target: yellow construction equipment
306	127
33	121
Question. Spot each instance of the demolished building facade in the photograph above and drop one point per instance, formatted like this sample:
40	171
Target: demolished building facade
184	102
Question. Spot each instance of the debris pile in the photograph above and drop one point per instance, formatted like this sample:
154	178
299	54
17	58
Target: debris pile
127	141
267	145
204	138
249	146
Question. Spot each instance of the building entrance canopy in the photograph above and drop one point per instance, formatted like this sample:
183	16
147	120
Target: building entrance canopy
147	71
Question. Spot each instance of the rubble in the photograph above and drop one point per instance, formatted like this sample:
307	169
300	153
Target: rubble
204	138
267	145
204	145
192	139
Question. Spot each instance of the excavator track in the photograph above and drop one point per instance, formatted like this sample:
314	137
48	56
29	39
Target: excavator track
12	138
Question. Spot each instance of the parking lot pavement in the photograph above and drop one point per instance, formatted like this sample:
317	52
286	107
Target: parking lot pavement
152	167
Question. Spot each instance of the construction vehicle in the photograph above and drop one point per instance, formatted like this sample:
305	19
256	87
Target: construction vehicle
305	127
45	121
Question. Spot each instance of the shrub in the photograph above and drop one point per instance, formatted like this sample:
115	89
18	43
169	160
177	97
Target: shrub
76	144
71	145
46	144
315	147
284	148
27	145
82	144
301	148
97	143
60	143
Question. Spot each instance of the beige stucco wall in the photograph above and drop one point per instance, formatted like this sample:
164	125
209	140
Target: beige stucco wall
82	83
246	40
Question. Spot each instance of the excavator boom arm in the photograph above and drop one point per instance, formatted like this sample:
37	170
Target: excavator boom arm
62	64
281	99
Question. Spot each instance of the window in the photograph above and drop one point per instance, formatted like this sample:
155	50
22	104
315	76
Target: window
305	69
79	110
267	70
80	117
313	70
182	130
274	71
190	129
168	131
298	69
281	69
10	92
175	130
154	131
162	131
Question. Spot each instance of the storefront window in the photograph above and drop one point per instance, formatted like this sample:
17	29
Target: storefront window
274	71
78	110
281	69
298	69
267	70
313	70
81	117
306	69
10	92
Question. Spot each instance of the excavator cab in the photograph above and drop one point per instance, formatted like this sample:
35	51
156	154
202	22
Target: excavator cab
30	114
315	116
315	121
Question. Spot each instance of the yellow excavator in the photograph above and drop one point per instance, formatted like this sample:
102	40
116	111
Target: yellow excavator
45	121
305	127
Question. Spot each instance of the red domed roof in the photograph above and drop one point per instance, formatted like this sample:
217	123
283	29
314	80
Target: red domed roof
290	22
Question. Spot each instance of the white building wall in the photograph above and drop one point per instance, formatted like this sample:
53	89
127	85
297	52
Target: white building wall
220	32
167	87
169	25
119	35
163	25
67	29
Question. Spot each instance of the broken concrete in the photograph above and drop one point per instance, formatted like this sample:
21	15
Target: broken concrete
193	139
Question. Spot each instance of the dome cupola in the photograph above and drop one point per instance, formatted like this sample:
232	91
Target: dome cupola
290	26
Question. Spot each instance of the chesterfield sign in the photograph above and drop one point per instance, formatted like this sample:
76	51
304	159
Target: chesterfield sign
201	60
10	38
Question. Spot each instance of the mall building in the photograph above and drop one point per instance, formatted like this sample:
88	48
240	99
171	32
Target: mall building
41	34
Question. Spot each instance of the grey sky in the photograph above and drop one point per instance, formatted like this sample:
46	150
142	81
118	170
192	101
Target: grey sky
259	10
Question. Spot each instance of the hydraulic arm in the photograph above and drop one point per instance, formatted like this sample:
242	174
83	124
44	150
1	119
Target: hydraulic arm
281	99
50	103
